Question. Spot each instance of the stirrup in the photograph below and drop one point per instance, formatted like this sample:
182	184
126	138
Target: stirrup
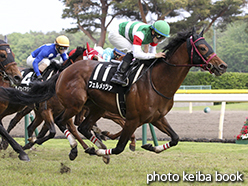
124	83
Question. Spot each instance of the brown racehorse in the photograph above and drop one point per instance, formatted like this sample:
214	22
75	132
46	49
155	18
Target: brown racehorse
50	109
9	76
147	101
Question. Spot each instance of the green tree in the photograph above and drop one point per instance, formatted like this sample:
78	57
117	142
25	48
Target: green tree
91	16
232	47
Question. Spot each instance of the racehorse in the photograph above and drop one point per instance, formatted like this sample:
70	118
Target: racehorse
10	77
147	101
50	109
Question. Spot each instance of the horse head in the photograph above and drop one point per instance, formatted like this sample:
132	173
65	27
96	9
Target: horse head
8	67
201	54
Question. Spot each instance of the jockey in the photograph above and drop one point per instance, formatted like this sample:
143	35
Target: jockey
91	54
110	53
40	58
130	36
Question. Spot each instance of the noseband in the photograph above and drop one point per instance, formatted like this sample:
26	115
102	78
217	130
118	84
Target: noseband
203	57
8	61
191	47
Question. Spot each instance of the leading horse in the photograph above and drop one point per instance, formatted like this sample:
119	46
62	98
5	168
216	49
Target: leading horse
147	101
10	76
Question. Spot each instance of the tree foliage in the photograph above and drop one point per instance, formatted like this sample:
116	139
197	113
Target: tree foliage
95	15
232	47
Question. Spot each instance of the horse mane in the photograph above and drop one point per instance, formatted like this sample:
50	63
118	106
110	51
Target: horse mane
176	42
79	51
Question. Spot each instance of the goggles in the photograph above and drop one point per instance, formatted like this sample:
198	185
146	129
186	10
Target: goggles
62	48
158	36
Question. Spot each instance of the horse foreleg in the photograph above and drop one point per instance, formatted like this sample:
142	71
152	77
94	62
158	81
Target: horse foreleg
31	128
62	127
86	126
22	155
119	120
47	115
128	130
165	127
73	130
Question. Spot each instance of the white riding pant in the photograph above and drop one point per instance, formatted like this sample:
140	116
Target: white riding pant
42	64
119	41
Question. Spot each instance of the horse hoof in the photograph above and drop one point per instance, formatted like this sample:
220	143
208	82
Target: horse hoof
104	138
106	159
4	144
132	147
23	157
148	147
73	154
90	151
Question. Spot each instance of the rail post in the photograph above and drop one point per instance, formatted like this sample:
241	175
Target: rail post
144	134
27	117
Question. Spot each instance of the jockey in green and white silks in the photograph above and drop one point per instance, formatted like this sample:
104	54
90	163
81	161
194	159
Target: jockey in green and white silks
130	37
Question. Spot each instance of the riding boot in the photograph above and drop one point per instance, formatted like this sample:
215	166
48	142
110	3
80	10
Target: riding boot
120	75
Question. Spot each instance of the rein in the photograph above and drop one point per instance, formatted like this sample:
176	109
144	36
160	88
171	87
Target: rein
205	66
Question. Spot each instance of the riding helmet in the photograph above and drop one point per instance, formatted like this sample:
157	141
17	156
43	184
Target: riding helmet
62	41
161	27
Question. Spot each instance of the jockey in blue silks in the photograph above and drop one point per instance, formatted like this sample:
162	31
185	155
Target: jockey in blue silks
40	58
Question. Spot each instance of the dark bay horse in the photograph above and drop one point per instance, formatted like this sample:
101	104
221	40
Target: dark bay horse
9	77
147	101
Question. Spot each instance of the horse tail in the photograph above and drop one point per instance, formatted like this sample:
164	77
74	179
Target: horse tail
39	92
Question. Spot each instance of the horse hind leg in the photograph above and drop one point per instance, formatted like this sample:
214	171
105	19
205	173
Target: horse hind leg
165	127
19	115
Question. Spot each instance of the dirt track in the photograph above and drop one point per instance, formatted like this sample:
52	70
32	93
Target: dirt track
195	125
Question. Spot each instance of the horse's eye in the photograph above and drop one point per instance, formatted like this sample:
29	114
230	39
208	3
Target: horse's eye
203	49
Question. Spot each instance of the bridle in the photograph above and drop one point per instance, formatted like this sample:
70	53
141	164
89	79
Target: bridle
191	47
8	61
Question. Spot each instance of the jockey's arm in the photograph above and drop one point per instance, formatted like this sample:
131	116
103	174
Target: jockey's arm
36	66
64	56
139	53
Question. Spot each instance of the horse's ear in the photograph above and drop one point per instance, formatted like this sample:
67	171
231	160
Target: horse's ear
193	30
202	32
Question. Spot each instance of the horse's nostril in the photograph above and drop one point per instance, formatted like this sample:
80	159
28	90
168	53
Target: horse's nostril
222	66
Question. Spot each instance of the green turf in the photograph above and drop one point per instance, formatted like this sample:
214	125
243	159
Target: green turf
127	168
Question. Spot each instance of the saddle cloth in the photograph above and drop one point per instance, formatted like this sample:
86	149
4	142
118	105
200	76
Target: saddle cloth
101	76
29	76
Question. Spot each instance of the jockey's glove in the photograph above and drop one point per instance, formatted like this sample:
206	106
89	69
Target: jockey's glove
39	78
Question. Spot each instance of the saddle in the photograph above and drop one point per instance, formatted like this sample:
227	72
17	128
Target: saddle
102	74
29	76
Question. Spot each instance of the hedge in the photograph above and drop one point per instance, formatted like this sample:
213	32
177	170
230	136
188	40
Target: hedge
229	80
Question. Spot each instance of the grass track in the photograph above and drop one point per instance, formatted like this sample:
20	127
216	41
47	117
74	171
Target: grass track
127	168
